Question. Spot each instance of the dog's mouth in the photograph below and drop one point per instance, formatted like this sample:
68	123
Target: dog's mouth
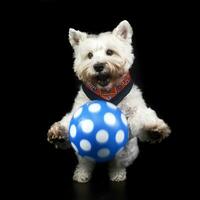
103	79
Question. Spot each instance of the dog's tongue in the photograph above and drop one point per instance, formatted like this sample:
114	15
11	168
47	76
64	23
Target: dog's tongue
103	79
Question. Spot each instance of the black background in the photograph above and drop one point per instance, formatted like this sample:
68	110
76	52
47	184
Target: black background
158	71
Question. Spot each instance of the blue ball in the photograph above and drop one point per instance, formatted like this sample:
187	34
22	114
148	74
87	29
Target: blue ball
98	131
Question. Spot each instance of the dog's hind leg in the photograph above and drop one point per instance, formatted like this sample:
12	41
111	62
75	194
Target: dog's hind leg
83	171
123	159
117	173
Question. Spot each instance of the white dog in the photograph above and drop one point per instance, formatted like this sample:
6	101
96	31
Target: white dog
102	63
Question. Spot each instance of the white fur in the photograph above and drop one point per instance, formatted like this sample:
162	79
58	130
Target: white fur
141	119
119	40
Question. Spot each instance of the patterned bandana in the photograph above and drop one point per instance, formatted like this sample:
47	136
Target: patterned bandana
115	95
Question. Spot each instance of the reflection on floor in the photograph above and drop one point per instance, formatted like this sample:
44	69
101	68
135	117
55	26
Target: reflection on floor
89	191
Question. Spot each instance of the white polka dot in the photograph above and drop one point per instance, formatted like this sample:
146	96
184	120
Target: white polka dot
87	125
102	136
102	153
74	147
78	112
95	107
124	119
119	137
73	131
85	145
109	119
112	106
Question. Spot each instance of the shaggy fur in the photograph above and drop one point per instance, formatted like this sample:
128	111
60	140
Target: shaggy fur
143	121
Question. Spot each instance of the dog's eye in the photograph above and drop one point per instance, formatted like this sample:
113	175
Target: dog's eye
90	55
109	52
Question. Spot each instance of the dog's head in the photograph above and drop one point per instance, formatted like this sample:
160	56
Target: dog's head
102	59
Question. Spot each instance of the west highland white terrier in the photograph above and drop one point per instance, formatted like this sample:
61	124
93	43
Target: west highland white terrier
102	63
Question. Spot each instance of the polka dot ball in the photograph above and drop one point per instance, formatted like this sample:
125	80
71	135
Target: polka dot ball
98	131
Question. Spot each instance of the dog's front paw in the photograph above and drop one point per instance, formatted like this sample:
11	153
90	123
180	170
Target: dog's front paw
157	132
57	136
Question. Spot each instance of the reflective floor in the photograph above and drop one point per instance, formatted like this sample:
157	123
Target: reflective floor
99	191
152	174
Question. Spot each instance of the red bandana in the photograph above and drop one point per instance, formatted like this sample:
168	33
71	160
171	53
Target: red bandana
115	95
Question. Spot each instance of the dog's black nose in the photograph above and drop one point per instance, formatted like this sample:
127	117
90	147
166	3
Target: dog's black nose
99	67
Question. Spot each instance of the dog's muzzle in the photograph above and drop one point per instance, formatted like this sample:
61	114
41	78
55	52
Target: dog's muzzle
103	79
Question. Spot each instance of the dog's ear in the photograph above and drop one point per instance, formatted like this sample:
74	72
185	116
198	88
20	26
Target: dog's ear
124	31
75	37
